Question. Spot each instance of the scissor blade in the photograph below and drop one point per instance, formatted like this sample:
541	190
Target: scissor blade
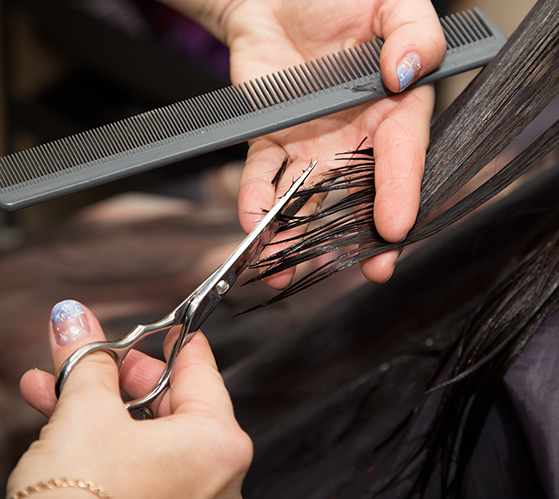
204	300
265	231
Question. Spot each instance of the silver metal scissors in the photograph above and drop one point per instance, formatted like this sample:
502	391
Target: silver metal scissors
193	311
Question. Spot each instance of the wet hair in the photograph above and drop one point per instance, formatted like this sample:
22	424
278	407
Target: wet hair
491	113
474	367
495	108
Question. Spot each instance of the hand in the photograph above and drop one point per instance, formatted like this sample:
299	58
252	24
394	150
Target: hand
194	447
265	36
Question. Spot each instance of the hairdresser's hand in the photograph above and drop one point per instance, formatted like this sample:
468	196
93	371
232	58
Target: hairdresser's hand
194	448
268	35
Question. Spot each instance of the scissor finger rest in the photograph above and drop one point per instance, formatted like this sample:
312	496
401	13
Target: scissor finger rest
118	349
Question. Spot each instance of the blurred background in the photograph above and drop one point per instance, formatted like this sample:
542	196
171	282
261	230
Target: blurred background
133	249
71	65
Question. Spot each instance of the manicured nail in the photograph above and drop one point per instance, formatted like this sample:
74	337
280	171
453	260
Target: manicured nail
408	69
69	322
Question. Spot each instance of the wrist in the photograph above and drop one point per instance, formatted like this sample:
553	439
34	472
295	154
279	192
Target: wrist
59	494
60	487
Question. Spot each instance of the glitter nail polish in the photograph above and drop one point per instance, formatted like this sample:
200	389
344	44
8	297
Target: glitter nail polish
69	322
408	69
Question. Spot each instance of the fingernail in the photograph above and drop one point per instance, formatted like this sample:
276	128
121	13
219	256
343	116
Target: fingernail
69	322
408	69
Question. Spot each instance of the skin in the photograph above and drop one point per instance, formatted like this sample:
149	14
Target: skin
195	445
265	36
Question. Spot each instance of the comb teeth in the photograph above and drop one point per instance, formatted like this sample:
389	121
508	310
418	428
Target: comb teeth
227	116
464	28
316	76
193	116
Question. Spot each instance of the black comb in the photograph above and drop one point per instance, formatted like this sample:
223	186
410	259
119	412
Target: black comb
227	116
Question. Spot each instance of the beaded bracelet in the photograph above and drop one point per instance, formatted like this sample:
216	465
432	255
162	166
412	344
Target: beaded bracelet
63	483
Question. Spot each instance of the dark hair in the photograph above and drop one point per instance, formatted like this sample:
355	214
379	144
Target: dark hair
496	107
491	341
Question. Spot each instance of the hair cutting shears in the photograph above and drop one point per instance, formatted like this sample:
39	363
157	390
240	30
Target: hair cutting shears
193	311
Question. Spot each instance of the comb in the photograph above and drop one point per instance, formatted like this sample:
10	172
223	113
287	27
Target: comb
228	116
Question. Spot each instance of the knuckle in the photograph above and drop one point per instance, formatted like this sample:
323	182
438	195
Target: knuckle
235	450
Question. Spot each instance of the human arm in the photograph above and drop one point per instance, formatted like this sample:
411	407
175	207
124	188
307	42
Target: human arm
194	447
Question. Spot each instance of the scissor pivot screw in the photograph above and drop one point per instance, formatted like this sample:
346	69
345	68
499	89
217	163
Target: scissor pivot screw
222	287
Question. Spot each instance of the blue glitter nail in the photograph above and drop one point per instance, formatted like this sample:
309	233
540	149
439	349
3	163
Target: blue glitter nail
65	310
408	69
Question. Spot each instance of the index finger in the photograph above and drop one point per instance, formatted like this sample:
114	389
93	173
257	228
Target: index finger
257	193
196	384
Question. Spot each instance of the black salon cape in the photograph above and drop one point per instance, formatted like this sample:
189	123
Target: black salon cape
532	389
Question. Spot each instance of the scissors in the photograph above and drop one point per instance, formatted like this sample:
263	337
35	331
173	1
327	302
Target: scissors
193	311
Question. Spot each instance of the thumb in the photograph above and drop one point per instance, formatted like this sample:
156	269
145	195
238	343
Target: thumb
414	43
72	326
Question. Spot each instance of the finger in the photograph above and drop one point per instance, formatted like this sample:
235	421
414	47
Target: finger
400	145
287	238
94	380
260	185
257	193
37	389
414	43
71	326
196	384
381	267
139	374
